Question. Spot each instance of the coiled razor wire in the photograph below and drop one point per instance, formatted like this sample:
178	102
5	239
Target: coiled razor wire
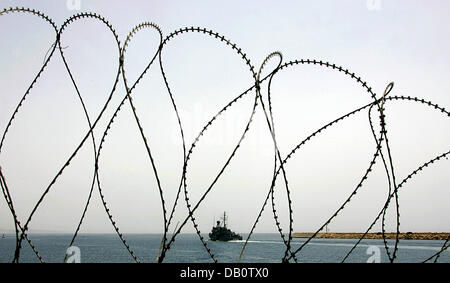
279	162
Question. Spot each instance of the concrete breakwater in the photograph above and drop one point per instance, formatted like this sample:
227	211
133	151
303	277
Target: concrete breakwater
403	236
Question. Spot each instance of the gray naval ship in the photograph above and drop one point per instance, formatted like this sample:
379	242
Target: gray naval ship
220	232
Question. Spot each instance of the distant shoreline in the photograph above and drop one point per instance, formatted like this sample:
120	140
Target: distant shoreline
330	235
403	236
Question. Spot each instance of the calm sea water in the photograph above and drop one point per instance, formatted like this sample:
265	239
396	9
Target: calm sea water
263	248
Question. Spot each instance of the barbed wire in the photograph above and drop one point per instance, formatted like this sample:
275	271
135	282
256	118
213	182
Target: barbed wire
383	152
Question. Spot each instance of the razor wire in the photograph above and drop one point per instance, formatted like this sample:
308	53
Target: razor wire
383	152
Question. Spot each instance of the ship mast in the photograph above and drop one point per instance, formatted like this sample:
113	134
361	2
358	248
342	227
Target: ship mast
224	220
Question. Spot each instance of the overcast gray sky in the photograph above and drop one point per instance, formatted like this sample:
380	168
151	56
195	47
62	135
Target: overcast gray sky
405	42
